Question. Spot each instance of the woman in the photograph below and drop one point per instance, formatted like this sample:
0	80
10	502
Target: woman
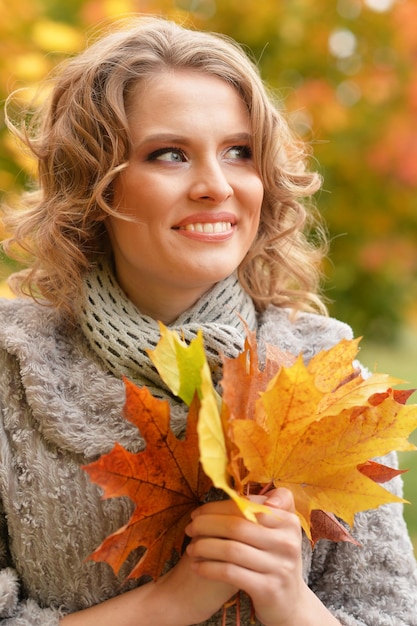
169	189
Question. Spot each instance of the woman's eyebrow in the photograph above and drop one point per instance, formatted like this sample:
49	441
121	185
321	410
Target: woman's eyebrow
163	138
173	138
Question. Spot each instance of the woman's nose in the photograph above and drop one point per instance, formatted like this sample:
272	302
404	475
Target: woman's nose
210	183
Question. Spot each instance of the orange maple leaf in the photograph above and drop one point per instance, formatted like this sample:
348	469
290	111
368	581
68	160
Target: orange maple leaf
240	399
243	380
324	525
165	481
378	472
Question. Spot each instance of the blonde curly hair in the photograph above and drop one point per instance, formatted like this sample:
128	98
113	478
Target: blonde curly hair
81	141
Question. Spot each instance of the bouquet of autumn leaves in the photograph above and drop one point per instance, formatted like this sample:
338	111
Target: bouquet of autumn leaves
310	428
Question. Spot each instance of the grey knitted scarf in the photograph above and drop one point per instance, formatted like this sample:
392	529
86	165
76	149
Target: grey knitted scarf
120	335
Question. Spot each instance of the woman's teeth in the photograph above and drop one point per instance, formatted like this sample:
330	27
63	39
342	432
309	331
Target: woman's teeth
208	227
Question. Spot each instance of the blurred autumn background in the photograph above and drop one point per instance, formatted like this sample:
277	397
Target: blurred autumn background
346	72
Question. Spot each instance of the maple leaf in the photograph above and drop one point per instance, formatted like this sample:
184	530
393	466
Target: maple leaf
179	364
165	481
378	472
324	525
333	374
315	430
244	369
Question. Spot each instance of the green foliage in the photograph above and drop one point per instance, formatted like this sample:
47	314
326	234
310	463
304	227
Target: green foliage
345	74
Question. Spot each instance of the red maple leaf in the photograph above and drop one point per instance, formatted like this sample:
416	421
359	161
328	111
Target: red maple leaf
165	481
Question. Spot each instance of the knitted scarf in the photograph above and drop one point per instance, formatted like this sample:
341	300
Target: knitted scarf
120	335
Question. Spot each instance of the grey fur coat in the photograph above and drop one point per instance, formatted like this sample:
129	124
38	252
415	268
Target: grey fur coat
60	409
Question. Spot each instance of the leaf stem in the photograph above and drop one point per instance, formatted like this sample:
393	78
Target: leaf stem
266	488
233	601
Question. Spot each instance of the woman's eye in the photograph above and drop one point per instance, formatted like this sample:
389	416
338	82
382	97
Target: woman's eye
239	152
172	155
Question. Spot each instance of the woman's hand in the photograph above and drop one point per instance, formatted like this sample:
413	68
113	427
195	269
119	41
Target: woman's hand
194	597
180	598
264	559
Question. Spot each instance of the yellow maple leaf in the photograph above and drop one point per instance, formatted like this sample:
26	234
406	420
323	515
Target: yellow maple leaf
315	430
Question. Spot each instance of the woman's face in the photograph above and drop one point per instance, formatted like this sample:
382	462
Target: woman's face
191	187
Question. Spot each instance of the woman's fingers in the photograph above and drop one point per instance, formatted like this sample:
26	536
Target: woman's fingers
263	559
219	535
280	498
281	503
